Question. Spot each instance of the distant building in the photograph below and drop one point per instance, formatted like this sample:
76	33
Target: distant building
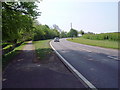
79	35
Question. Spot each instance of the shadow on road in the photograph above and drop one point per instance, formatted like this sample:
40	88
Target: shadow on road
47	73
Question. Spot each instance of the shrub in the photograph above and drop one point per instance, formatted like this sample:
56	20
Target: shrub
103	36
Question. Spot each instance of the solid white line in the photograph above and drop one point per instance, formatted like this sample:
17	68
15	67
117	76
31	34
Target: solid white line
113	57
90	85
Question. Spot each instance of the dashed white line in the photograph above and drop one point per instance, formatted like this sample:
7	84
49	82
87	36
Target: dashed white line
113	57
86	50
90	85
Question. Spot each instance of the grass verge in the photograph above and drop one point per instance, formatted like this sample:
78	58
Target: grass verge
42	49
9	56
100	43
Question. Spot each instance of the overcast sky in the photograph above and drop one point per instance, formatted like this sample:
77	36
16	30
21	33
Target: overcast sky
97	17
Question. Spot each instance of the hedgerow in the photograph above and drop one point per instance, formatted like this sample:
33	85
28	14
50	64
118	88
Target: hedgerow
103	36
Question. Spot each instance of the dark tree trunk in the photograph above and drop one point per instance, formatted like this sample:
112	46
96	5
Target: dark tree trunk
14	43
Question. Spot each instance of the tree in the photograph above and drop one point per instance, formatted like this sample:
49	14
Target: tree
44	32
63	34
17	20
47	26
90	33
73	33
56	33
26	8
81	32
39	34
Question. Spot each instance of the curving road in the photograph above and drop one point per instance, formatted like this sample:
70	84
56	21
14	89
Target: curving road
98	65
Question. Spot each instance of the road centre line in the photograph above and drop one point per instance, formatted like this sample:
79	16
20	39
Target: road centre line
86	50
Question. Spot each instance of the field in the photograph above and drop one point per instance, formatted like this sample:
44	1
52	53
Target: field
100	43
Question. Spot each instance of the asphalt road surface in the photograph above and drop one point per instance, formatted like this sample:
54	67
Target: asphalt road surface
98	65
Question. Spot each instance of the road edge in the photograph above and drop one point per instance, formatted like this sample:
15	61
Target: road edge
83	80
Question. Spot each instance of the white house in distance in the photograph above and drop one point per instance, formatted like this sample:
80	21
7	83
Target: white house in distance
79	35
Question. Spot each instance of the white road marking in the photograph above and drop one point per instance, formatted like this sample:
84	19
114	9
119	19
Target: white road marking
86	50
113	57
4	79
38	65
90	85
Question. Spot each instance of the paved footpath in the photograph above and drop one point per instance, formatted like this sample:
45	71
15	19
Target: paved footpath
22	72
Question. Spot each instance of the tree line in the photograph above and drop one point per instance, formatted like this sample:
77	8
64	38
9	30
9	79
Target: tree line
42	32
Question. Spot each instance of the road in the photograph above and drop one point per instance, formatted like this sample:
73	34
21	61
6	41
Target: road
98	65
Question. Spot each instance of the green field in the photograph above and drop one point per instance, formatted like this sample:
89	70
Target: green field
100	43
42	49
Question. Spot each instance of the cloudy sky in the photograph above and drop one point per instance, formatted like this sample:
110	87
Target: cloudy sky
97	17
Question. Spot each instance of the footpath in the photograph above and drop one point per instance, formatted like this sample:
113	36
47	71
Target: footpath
23	72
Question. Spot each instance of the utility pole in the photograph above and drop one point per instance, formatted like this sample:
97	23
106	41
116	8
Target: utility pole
71	25
71	29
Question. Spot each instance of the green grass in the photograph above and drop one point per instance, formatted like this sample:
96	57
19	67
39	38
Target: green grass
8	46
100	43
42	49
9	56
